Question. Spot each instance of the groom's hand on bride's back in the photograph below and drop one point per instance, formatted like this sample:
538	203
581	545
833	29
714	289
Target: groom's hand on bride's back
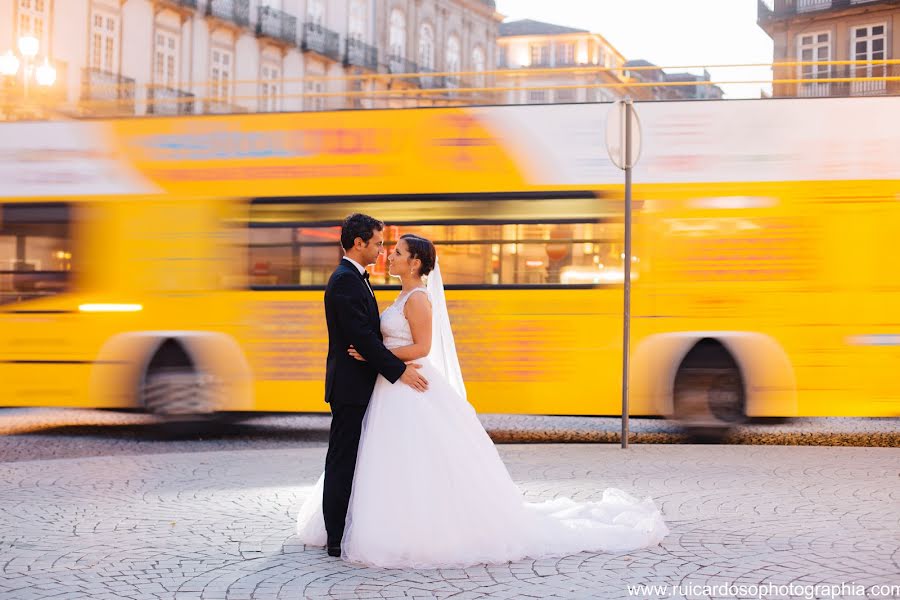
413	378
410	377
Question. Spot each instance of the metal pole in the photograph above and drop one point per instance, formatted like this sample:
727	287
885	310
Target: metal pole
627	312
25	75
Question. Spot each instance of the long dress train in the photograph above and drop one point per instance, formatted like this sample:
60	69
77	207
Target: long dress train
430	489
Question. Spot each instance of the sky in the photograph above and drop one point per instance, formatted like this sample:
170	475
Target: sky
668	33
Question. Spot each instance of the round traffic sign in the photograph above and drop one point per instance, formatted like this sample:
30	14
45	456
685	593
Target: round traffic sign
616	130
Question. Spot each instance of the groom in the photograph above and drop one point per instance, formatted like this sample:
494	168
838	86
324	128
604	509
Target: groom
352	316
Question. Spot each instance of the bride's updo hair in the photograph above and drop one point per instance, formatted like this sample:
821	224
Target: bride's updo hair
422	249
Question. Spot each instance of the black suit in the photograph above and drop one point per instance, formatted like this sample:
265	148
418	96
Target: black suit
352	316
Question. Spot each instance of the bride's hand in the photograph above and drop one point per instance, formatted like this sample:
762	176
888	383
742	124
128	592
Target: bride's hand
352	352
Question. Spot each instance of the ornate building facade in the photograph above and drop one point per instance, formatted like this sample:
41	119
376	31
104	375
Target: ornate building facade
221	56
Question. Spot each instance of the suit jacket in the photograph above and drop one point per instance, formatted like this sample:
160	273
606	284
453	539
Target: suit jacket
352	316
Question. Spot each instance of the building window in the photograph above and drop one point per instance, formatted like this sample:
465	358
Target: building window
104	41
565	95
868	44
814	48
220	74
316	102
426	46
269	88
35	250
356	29
453	60
33	18
397	42
478	65
540	55
566	54
316	12
166	59
537	96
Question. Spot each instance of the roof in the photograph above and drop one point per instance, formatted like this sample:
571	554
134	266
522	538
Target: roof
530	27
686	77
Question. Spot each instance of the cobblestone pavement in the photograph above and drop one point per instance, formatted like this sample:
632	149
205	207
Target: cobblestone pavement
219	525
32	434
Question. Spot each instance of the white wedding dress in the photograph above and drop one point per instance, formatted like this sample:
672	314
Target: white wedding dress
431	491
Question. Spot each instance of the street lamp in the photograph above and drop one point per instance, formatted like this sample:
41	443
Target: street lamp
29	47
45	74
9	64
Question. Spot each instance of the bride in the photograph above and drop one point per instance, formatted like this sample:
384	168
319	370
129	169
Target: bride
430	489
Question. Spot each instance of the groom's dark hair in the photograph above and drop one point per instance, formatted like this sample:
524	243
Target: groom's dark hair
360	226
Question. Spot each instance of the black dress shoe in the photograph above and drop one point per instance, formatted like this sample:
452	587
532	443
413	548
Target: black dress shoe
334	551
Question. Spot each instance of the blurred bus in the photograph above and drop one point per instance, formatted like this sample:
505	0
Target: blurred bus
177	265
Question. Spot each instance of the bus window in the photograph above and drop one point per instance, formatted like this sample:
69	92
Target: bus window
522	254
293	256
472	255
35	251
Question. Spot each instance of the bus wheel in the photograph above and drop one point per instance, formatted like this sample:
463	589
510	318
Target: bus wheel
176	391
709	392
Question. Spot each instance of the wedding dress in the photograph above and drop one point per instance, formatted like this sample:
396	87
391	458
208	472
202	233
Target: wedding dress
431	491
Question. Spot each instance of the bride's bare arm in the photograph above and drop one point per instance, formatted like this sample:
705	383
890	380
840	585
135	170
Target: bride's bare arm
418	313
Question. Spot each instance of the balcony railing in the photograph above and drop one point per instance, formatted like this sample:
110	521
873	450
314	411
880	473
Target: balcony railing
163	100
321	40
541	63
214	106
399	64
276	24
779	9
360	54
803	6
430	82
867	82
183	3
235	11
106	93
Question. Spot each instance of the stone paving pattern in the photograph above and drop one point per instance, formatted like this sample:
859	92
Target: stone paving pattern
219	525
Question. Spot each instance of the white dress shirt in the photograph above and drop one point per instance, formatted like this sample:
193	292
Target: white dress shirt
358	266
361	270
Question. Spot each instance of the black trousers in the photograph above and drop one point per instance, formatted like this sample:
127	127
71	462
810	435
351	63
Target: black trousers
340	464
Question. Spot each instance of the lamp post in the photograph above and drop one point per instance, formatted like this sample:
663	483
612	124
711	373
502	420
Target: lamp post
9	67
28	48
44	74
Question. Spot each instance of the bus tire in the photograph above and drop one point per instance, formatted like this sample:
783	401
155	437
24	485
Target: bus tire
708	392
173	386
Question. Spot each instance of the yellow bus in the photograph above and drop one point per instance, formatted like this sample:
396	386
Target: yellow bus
178	264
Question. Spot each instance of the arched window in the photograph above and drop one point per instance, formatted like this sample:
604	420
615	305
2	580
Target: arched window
426	46
478	65
397	42
357	27
452	62
453	58
316	12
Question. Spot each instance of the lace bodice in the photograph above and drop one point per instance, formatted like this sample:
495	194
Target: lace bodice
394	326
